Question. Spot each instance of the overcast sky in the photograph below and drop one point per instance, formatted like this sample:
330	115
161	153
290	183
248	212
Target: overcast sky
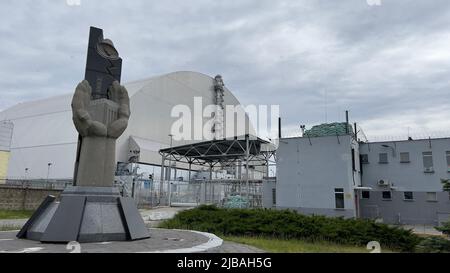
388	64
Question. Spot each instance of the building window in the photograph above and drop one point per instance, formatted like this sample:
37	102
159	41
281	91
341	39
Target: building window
404	157
431	196
339	197
274	196
408	196
427	162
365	194
383	158
447	154
364	158
386	195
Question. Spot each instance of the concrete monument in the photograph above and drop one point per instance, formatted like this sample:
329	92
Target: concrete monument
92	210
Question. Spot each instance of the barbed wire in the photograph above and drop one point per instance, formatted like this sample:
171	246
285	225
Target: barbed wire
362	136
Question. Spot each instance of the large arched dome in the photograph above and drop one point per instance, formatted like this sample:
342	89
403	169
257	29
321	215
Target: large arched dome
44	133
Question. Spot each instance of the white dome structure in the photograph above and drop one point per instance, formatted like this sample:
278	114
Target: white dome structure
44	133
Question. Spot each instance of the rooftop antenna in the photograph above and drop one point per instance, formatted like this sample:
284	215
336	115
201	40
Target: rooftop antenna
279	127
326	106
346	122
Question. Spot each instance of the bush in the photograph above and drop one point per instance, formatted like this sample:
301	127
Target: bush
434	245
287	224
445	228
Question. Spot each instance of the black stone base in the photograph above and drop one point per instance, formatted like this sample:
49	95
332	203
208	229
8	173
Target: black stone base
86	214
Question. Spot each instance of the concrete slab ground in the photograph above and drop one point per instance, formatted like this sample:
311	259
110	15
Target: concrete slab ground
162	240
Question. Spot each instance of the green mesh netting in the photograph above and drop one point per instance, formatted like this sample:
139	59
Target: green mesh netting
236	202
328	129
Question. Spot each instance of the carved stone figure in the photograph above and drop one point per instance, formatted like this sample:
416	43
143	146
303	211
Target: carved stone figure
99	122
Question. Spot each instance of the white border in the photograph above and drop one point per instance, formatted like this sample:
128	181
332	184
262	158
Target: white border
213	242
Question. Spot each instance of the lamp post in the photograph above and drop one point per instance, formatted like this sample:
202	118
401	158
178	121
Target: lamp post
48	170
170	173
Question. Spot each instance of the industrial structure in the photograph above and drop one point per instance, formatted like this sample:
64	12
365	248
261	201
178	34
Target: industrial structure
40	149
44	142
332	172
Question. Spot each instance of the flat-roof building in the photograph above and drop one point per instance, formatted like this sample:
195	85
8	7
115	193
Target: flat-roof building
397	182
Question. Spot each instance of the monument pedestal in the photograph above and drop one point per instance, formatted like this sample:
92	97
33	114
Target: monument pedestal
86	214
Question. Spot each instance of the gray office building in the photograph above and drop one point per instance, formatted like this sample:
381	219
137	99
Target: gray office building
334	174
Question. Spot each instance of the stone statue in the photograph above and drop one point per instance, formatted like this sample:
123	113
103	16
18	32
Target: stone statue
99	122
92	210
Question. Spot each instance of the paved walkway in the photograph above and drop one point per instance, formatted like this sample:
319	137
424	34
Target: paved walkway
161	241
12	223
231	247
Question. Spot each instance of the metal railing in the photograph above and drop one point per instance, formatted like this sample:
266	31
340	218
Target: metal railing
36	183
155	193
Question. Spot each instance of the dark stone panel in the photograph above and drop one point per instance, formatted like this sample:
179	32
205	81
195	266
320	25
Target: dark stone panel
47	201
65	225
133	220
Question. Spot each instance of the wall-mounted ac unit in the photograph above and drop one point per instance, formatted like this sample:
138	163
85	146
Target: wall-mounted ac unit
383	183
429	170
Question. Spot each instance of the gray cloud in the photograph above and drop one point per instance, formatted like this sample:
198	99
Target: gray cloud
388	64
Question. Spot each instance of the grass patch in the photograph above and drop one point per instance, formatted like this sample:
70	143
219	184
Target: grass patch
15	214
290	225
274	245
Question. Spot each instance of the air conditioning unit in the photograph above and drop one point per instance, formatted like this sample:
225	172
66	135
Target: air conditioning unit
383	183
429	170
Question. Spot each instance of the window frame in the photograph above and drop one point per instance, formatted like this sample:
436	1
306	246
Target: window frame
435	196
362	156
362	195
274	196
386	199
404	196
447	156
405	161
428	154
339	192
383	162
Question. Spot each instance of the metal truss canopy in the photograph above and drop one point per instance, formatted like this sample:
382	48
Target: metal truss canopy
222	151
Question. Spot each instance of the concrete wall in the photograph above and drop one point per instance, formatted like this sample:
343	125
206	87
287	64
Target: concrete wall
12	198
309	170
407	176
398	211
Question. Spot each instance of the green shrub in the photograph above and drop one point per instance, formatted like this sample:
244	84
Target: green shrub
287	224
434	245
445	228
